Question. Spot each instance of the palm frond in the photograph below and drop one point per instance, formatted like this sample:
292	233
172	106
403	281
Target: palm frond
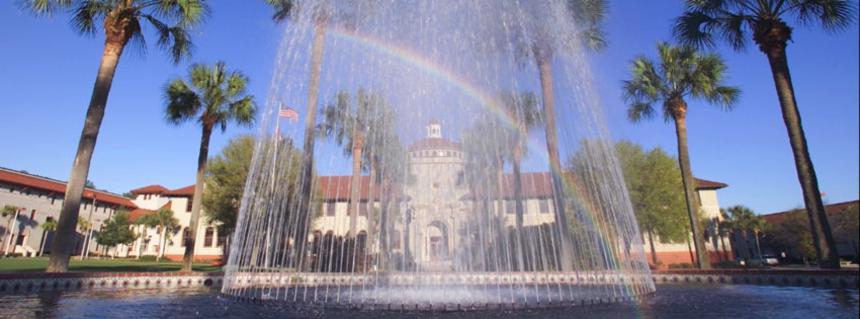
87	15
833	15
639	111
695	28
182	102
45	7
185	13
283	9
243	111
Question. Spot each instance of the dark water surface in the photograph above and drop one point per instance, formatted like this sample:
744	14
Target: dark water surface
670	301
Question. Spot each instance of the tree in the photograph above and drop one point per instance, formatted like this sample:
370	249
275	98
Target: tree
284	10
656	192
742	220
213	96
10	212
540	43
793	236
122	23
165	224
846	227
682	73
523	109
225	182
48	226
732	20
117	231
349	124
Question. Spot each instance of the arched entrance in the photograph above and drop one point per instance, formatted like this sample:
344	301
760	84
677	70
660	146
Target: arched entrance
437	241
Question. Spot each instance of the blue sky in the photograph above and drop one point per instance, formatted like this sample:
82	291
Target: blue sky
47	70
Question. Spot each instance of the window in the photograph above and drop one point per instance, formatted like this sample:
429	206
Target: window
185	235
510	207
544	206
362	209
189	204
210	234
221	240
330	209
395	239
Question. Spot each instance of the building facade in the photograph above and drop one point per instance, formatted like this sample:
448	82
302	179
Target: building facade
38	200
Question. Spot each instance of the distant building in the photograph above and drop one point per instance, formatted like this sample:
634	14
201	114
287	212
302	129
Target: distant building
435	203
40	199
438	202
846	245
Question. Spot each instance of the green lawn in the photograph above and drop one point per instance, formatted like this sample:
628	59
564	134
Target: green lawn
97	265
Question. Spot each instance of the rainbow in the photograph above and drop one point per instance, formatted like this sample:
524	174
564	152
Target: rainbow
411	57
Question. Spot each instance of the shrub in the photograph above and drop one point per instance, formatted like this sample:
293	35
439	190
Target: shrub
681	266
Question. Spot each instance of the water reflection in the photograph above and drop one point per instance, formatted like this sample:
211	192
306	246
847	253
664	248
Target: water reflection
670	301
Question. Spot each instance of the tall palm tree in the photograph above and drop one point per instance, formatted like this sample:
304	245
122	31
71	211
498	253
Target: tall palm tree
539	45
213	96
284	10
47	227
731	20
349	124
122	22
523	109
163	220
682	73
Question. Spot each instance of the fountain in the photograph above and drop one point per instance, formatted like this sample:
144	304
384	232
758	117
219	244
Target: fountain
448	155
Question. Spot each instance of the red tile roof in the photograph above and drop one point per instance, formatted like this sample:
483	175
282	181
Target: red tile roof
151	189
832	209
334	188
434	144
134	215
187	191
59	187
706	184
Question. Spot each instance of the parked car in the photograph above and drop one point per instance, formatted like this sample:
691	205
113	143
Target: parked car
770	260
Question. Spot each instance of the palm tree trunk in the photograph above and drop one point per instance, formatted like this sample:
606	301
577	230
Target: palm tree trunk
518	197
355	183
304	205
679	115
63	243
545	70
654	259
825	245
725	249
197	200
42	242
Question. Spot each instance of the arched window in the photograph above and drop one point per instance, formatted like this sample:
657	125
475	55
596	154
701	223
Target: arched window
208	239
185	234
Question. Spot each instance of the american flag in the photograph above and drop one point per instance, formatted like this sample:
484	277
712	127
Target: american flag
289	113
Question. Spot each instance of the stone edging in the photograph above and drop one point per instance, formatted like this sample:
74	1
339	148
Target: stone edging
20	283
807	278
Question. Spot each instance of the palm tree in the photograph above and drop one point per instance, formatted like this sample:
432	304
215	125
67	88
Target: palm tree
539	45
284	10
522	108
213	96
122	23
47	227
740	219
10	212
164	221
84	225
731	20
682	73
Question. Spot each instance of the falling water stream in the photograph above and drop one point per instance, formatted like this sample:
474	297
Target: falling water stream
485	172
